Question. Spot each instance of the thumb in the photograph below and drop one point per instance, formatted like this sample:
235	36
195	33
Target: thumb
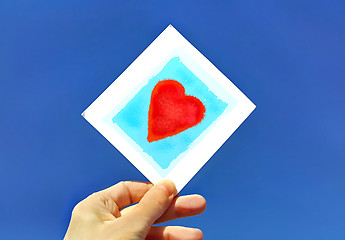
155	202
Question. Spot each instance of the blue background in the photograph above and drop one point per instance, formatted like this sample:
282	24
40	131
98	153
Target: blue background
279	176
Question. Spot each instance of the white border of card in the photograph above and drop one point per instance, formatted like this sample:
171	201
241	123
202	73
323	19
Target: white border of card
131	80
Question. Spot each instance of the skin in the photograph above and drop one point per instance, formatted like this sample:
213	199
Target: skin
107	215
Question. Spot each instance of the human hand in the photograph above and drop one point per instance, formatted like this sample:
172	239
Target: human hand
106	215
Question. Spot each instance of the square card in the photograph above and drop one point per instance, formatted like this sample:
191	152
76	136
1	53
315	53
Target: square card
170	110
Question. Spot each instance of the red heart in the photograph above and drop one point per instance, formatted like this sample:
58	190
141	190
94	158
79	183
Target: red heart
171	111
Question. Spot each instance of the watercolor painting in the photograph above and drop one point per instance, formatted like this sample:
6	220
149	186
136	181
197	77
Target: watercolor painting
170	110
167	115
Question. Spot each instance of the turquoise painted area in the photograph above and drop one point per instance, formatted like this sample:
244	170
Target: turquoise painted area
133	117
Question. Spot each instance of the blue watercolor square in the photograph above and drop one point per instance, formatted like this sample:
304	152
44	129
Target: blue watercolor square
133	117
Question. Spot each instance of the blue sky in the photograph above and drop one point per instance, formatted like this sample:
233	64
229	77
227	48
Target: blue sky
279	176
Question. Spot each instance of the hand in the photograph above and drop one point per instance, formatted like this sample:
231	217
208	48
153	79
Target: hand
105	215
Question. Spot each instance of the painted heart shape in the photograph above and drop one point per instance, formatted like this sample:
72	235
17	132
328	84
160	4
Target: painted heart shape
172	111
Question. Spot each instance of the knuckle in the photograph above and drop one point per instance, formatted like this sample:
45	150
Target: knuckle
123	183
82	207
77	210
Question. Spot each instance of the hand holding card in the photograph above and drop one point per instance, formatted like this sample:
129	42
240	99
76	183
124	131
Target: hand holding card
106	214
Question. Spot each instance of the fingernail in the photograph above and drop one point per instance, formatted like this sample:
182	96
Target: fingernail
168	186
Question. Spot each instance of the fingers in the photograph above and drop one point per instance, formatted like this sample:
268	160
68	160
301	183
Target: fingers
180	207
127	193
174	233
155	202
184	206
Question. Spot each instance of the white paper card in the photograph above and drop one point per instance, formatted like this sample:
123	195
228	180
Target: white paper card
170	110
